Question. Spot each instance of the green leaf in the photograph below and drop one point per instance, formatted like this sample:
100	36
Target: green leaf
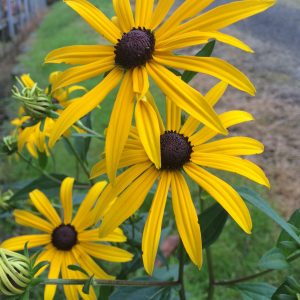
206	51
287	290
285	243
256	291
273	259
87	285
39	266
42	159
253	198
78	268
212	222
105	292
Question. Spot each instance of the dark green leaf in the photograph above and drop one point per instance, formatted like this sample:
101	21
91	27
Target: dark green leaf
253	198
87	285
43	159
78	268
206	51
212	222
273	259
105	292
287	290
285	242
39	266
256	291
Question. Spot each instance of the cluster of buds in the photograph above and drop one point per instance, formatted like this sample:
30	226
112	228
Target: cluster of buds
4	198
15	275
36	102
9	145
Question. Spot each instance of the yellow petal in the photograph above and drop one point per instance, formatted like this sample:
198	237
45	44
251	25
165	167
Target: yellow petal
228	119
124	14
223	193
231	164
152	229
79	55
140	81
81	73
79	108
225	15
212	66
173	115
27	81
44	206
96	19
233	146
106	252
128	202
120	184
34	240
186	218
143	12
28	219
184	96
119	126
160	12
93	236
87	263
66	199
186	10
82	219
148	128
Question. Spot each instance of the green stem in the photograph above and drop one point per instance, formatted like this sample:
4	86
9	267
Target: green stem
82	164
181	272
89	130
109	282
253	276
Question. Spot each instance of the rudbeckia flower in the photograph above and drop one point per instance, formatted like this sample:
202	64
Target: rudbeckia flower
67	240
141	45
182	149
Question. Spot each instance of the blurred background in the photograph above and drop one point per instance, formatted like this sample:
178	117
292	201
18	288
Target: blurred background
29	29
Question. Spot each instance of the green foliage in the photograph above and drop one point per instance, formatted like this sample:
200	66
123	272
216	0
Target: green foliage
256	291
273	259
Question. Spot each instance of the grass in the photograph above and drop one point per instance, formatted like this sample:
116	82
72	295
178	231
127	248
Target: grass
235	253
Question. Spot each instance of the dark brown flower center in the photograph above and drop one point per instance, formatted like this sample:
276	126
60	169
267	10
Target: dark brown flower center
64	237
135	48
176	150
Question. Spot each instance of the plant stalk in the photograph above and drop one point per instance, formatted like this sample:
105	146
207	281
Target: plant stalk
181	272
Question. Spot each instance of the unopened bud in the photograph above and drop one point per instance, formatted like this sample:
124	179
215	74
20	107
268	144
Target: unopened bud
4	198
15	274
9	145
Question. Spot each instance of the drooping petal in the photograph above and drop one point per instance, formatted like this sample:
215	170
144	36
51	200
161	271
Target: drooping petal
232	146
143	13
147	125
84	105
81	73
186	218
66	199
173	115
225	15
231	164
120	184
119	126
152	229
128	202
87	263
96	19
44	206
81	219
124	14
228	119
160	12
34	240
186	10
209	65
26	218
93	236
140	81
184	96
106	252
222	193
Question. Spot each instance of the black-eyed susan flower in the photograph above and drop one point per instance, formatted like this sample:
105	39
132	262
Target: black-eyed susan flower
67	240
141	45
182	150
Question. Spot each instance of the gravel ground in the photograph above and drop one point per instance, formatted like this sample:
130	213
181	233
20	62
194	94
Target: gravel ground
275	71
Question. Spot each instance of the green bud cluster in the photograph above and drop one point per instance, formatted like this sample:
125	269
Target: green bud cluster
9	145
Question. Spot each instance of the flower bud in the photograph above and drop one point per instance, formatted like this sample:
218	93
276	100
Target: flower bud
4	198
9	145
15	274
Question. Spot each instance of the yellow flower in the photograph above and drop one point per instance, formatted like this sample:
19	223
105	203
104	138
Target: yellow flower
142	45
181	149
68	241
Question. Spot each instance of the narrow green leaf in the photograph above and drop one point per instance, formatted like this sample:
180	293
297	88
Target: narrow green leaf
253	198
87	285
287	290
39	266
212	222
273	259
256	291
42	159
206	51
78	268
